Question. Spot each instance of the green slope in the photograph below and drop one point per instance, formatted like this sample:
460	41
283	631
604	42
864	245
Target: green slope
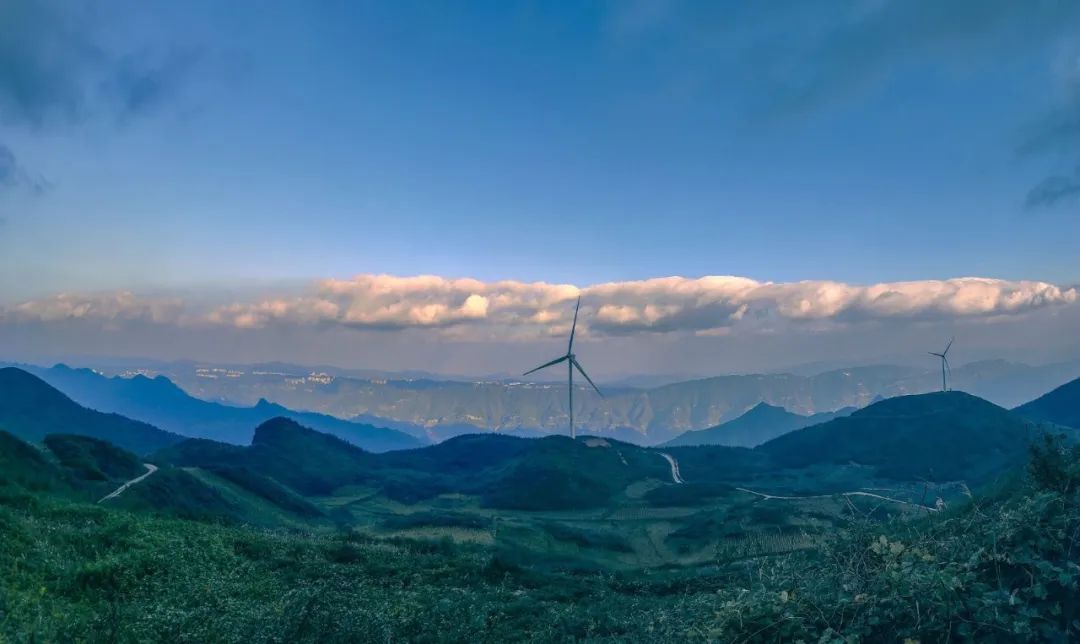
307	461
506	472
93	459
941	437
1060	406
24	468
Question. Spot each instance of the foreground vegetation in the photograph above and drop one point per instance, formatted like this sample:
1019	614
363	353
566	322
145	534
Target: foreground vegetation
1003	567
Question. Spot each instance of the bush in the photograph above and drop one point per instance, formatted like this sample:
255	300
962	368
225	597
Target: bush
1001	570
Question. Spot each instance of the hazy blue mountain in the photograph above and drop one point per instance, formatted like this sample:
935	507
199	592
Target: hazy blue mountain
1060	406
762	423
440	409
160	402
31	409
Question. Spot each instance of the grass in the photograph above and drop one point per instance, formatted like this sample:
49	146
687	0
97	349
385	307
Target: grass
80	572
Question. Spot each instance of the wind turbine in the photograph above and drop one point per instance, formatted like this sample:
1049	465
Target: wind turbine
571	363
944	364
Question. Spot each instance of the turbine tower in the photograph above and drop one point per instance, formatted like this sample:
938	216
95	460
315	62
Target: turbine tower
944	364
571	363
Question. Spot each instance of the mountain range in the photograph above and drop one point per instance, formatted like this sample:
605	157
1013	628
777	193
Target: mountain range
937	437
438	409
159	402
30	409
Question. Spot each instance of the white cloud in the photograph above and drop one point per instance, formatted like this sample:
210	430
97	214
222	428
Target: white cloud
712	305
102	307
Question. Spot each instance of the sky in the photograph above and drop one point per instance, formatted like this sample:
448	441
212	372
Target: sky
729	186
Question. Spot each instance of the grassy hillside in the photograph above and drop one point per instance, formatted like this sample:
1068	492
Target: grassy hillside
93	459
31	409
549	473
172	492
1060	406
25	468
940	437
307	461
557	473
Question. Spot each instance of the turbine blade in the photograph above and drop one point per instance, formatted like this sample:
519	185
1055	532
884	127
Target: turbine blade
570	347
546	365
939	355
576	364
951	340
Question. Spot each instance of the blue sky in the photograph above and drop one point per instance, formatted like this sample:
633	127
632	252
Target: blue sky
219	148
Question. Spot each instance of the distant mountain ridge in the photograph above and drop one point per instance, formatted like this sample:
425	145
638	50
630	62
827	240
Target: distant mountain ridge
160	402
31	409
646	416
436	409
761	424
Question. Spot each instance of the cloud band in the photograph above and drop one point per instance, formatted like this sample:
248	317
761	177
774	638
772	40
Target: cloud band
513	309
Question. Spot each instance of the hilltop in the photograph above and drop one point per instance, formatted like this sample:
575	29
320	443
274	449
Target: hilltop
761	424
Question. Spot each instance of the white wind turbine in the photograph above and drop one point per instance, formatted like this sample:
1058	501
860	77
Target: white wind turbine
571	363
944	364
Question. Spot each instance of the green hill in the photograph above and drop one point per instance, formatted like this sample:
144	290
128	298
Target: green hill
172	492
25	468
761	424
942	436
307	461
93	459
31	409
1060	406
557	473
506	472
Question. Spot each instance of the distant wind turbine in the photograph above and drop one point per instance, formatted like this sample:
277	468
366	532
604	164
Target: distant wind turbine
571	364
944	364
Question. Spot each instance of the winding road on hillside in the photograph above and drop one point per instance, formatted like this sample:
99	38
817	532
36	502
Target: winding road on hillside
675	476
150	469
827	496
